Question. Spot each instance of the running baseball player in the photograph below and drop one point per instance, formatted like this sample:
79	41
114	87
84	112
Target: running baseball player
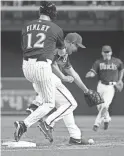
39	39
65	102
110	71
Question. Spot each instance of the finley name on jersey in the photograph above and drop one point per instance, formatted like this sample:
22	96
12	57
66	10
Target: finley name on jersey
37	27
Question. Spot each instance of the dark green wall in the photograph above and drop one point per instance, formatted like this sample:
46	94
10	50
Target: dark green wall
81	61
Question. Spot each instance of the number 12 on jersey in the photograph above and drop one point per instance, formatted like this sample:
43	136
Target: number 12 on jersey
40	38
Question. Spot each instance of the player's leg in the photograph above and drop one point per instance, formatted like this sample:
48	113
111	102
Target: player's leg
107	92
42	78
45	87
98	120
99	117
35	103
29	72
66	104
73	130
68	118
108	96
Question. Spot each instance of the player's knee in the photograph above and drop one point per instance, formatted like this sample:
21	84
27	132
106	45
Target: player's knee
32	107
74	105
104	107
51	105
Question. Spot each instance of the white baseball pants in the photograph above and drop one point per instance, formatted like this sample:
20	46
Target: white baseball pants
107	92
65	104
40	74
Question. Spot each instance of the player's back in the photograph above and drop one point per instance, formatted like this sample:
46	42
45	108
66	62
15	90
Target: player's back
39	37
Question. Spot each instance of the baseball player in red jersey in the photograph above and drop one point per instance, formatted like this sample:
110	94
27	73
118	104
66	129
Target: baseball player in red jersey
110	70
65	102
39	39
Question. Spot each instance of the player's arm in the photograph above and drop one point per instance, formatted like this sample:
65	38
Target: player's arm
90	74
93	71
58	73
121	71
121	74
70	71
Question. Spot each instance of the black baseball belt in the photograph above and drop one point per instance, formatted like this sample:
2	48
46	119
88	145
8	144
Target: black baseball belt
108	83
37	57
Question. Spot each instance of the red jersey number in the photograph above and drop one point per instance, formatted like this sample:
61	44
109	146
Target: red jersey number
40	38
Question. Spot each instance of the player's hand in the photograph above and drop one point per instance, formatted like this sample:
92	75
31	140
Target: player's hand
90	74
60	52
119	86
69	79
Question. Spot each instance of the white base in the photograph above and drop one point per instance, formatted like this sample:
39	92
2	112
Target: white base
15	144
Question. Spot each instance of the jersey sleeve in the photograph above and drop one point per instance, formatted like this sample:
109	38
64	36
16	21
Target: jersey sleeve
121	65
95	67
60	40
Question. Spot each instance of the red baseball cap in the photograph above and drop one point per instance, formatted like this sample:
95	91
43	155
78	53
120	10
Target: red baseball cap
106	48
75	38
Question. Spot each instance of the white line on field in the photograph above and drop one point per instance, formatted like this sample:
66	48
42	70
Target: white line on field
73	147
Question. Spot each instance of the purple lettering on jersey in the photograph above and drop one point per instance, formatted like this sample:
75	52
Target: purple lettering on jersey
104	66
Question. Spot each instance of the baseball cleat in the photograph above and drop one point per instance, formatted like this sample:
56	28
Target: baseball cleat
20	129
106	124
95	128
74	141
46	129
31	108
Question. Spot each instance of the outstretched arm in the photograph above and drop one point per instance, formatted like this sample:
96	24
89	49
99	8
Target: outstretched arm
94	70
70	71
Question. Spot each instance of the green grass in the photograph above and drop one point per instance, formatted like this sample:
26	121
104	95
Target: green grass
107	143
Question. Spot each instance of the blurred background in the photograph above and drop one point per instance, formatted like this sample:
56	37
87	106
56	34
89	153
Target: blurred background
98	22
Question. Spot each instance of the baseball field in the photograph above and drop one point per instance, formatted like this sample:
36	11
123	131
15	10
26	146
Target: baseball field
107	143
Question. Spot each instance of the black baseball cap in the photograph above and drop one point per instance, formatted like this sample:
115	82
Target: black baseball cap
75	38
106	49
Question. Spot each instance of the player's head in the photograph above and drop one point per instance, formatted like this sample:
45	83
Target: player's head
72	42
49	9
106	52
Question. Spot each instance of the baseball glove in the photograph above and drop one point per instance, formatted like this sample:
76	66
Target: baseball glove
93	98
119	86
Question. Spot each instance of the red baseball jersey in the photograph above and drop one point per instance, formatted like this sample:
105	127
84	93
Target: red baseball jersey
62	61
41	37
108	70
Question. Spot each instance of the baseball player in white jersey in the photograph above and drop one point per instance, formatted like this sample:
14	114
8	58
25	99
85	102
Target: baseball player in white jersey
110	70
39	40
65	102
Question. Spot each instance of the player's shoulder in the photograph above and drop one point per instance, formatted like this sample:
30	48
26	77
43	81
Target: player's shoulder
54	24
116	59
56	27
30	22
